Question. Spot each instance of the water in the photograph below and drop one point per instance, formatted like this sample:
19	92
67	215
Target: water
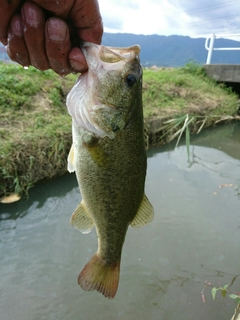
194	238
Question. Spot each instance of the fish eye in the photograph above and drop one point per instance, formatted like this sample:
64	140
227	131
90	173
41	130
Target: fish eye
130	79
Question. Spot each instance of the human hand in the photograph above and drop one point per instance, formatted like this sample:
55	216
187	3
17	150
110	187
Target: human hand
47	33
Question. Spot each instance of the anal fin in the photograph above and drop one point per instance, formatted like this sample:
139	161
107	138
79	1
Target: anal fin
144	215
81	219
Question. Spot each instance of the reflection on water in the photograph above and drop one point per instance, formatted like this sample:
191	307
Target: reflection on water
194	238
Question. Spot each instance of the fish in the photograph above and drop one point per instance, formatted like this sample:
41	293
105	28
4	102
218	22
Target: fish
109	157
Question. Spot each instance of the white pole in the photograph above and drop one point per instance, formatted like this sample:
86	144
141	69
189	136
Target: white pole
210	49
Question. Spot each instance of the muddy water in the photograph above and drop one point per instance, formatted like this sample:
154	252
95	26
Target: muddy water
194	238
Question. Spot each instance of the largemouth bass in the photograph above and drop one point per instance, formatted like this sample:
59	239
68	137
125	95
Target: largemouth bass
109	158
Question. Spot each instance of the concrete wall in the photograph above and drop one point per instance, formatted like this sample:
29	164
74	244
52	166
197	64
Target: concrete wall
224	72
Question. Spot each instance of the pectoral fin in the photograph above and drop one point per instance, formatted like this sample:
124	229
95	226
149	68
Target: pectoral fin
144	215
70	160
81	219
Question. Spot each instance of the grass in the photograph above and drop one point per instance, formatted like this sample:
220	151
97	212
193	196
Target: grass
173	96
35	128
185	90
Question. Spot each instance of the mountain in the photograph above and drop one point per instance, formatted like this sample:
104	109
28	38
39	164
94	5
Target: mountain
174	51
168	51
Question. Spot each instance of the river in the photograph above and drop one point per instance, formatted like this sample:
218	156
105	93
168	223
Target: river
194	238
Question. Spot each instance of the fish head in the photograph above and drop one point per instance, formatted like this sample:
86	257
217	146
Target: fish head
107	96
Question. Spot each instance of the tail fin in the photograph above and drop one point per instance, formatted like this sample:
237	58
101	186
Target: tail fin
97	275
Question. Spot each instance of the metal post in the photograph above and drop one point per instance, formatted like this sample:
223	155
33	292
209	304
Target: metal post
210	48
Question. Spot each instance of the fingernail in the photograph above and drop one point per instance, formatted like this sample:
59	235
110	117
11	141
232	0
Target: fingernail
32	16
57	30
16	26
78	66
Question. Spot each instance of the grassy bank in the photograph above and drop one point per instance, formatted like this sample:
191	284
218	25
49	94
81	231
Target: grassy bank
35	129
175	97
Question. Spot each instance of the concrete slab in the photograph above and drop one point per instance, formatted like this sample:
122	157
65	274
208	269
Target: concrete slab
223	72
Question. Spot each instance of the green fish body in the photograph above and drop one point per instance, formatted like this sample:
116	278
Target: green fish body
109	158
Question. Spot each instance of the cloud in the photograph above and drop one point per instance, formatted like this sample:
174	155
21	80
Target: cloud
210	17
167	17
113	23
140	17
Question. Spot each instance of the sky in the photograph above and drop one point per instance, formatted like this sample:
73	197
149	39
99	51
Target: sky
172	17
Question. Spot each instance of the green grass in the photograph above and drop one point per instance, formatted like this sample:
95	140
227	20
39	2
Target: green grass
35	128
187	98
185	90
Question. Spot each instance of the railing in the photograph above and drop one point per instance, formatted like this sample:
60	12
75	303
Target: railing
210	46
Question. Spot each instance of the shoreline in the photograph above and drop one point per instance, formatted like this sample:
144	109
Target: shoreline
35	128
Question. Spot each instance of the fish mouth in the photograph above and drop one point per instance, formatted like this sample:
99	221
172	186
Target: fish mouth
92	105
97	54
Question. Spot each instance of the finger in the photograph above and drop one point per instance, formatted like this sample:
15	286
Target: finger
59	8
92	34
77	60
16	47
76	57
57	45
33	29
87	19
7	9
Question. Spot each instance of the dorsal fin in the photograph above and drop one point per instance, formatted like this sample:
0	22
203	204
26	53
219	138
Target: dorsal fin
144	215
81	219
